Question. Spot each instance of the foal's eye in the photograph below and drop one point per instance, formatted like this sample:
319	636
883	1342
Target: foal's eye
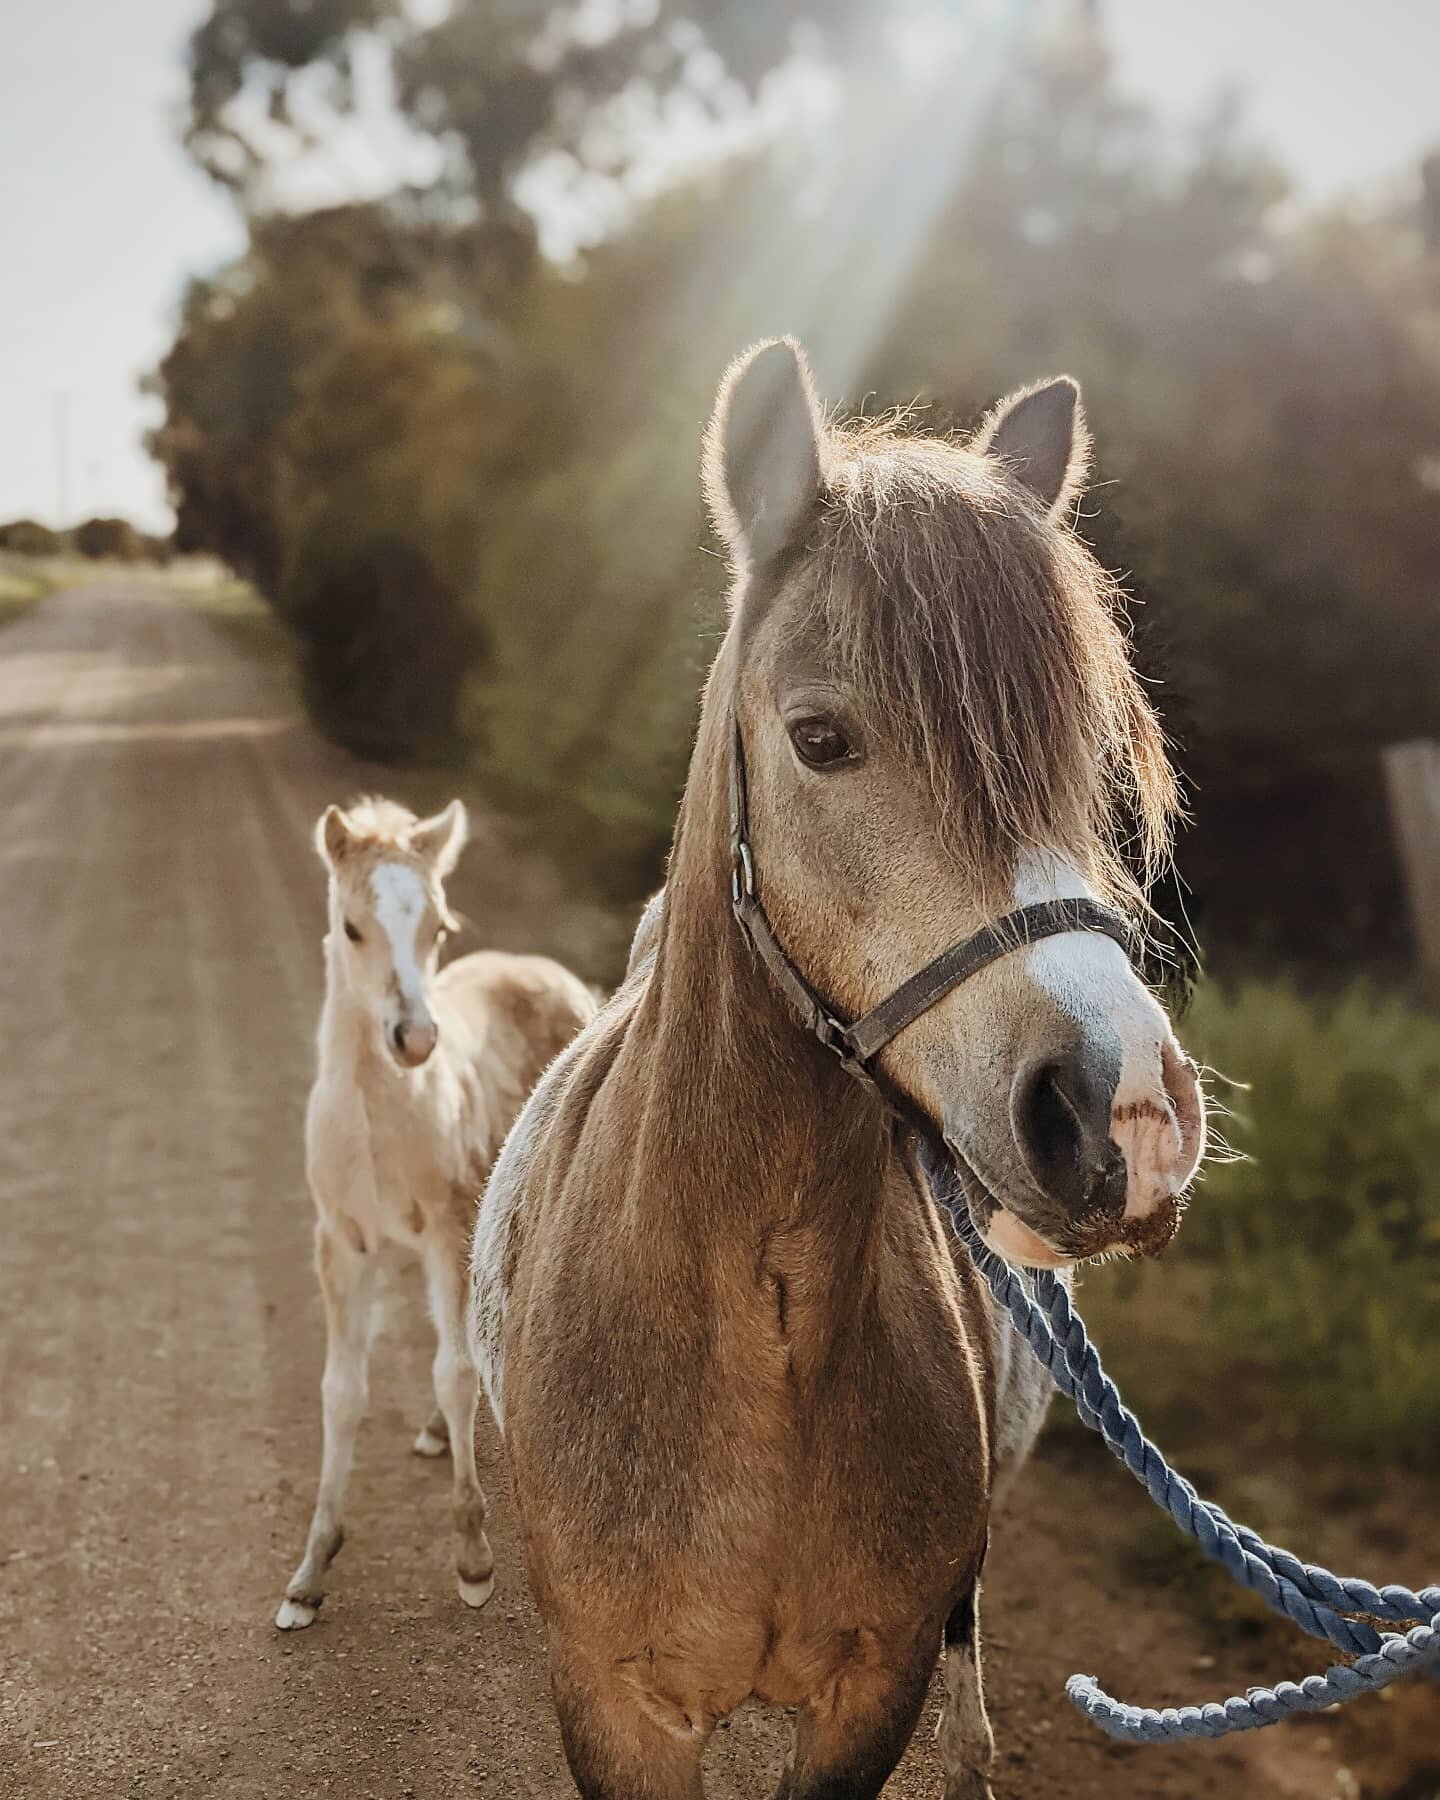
820	743
351	933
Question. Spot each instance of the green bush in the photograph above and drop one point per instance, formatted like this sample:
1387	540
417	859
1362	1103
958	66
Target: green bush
27	537
1305	1284
109	537
382	479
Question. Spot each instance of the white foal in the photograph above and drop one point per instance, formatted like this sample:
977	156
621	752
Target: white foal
422	1071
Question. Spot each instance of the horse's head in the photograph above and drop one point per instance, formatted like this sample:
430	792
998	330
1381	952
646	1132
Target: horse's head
388	915
941	724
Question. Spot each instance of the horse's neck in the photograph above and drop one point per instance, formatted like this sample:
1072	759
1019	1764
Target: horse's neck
347	1035
751	1133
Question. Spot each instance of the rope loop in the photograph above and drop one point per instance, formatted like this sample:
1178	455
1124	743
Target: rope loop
1311	1597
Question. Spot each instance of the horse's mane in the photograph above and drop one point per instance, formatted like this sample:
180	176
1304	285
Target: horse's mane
981	639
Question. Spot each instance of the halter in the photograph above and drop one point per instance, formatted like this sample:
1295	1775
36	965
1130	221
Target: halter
858	1042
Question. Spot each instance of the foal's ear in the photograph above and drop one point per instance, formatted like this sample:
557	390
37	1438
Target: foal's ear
764	457
1040	434
335	836
441	839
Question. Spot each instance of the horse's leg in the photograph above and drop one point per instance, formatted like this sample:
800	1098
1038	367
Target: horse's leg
347	1282
846	1747
617	1751
967	1746
457	1389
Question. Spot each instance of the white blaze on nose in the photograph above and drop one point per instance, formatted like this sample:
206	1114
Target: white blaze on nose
400	901
1090	978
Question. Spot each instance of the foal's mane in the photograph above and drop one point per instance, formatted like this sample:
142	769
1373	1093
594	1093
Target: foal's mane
982	640
383	821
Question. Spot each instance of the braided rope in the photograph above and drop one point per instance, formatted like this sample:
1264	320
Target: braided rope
1310	1596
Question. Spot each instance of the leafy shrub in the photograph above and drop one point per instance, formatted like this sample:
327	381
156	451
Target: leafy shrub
109	537
380	488
27	537
1306	1278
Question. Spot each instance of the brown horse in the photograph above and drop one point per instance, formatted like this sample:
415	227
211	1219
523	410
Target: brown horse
755	1407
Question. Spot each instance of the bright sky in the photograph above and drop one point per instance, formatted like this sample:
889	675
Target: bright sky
101	217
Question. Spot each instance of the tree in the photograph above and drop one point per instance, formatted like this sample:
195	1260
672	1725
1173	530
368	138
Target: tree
1266	399
247	335
405	399
384	464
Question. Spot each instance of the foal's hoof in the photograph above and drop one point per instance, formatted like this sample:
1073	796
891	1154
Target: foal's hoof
429	1443
968	1785
295	1615
475	1593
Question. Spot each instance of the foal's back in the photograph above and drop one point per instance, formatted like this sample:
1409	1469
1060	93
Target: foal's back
510	1017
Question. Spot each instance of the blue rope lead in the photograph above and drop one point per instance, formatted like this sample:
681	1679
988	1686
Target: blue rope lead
1311	1597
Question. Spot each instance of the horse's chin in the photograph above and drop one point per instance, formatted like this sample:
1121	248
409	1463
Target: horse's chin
1009	1236
1003	1231
1013	1239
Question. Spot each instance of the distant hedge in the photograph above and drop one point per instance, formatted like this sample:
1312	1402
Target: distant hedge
109	537
27	537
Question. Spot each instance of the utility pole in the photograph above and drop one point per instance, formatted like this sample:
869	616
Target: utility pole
62	460
1412	774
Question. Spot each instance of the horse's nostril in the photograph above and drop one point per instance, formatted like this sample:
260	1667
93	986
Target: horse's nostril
1061	1125
1047	1126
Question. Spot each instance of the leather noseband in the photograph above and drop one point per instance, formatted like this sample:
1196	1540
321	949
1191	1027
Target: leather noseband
858	1042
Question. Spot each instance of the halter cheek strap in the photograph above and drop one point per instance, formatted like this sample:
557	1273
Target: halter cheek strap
858	1042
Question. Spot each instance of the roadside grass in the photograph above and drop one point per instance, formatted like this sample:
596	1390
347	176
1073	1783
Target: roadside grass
255	628
1299	1310
22	584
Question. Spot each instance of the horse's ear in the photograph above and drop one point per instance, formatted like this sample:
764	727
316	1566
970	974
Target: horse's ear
1041	436
335	836
764	458
441	839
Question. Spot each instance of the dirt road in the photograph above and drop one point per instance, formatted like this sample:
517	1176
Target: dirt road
160	1334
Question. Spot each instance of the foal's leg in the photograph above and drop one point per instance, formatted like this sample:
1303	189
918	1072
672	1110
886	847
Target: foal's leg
347	1282
457	1389
847	1746
967	1746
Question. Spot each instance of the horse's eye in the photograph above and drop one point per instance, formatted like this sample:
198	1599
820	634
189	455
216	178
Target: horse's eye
820	743
351	933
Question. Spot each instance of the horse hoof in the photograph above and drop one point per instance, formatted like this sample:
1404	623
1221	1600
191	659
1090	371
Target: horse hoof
429	1444
295	1615
475	1593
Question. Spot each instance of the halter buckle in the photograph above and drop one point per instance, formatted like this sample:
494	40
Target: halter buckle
835	1037
742	874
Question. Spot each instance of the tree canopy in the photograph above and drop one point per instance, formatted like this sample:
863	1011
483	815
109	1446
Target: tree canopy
467	475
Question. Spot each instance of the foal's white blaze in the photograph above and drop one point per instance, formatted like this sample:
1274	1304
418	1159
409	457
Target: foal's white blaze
1089	977
400	903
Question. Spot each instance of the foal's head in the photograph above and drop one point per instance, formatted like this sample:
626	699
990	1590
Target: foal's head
388	915
941	724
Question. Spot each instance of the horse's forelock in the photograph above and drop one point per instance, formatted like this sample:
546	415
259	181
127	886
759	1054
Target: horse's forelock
982	640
